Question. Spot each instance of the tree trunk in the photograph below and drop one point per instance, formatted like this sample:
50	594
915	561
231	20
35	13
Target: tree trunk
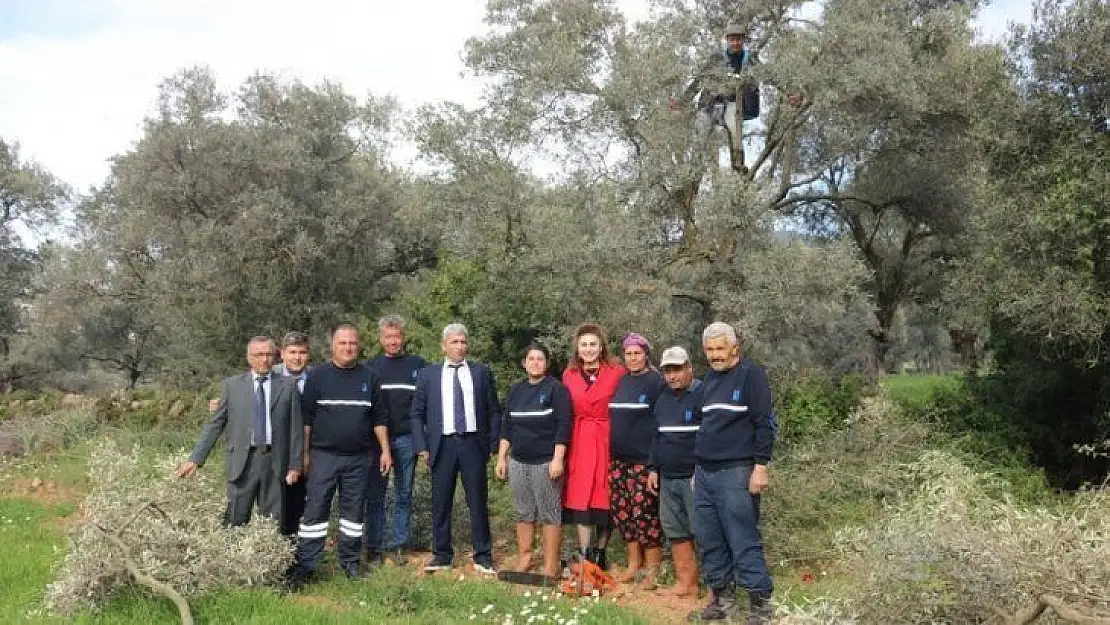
881	338
964	344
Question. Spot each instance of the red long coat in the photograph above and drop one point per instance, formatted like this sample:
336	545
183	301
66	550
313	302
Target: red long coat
587	485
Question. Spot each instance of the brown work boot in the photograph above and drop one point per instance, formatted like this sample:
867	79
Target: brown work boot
685	571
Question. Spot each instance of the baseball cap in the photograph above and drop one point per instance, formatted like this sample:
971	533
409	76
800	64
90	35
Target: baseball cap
735	29
674	356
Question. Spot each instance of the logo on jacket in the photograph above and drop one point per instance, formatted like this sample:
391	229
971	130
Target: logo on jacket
364	387
736	395
643	399
414	373
689	416
542	398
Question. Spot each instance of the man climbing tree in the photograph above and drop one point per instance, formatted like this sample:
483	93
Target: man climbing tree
726	95
715	94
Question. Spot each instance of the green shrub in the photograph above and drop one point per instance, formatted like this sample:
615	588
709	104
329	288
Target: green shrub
822	484
955	549
981	436
811	404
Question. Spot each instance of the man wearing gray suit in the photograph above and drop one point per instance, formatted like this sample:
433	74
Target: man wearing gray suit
265	440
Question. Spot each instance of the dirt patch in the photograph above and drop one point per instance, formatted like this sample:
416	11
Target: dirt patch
657	607
46	492
653	606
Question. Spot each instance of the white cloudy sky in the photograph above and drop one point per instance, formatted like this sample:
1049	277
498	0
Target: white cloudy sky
78	76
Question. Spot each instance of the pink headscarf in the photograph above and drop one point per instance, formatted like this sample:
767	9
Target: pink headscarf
633	338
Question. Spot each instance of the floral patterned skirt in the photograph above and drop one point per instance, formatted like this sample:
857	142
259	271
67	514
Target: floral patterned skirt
634	510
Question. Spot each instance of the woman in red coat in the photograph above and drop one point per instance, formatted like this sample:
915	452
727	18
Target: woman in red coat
591	378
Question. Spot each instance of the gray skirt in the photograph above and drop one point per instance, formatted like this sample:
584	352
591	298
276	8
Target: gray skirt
536	497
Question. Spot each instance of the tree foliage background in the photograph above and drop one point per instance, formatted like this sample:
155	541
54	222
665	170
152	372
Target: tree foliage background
927	201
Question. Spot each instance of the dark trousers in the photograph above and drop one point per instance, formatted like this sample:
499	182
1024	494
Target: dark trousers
726	529
328	472
396	533
257	484
465	455
294	497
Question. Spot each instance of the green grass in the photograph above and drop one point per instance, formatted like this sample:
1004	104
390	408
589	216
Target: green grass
33	534
30	534
397	597
32	530
914	390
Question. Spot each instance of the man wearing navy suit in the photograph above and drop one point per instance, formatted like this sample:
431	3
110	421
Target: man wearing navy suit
456	425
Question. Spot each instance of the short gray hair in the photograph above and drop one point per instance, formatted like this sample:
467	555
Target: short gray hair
391	321
717	329
261	339
454	328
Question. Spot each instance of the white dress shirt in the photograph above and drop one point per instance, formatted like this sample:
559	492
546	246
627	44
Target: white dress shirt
447	394
266	392
299	377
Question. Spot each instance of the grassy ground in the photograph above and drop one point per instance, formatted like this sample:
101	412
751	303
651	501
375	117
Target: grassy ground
819	487
915	390
40	495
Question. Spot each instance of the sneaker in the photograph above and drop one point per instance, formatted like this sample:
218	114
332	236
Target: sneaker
722	607
437	565
762	611
351	570
397	557
485	567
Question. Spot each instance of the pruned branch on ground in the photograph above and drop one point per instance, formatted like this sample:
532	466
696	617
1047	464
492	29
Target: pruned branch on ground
143	525
162	588
1033	612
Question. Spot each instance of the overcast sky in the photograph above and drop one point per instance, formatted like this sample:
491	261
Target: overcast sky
78	76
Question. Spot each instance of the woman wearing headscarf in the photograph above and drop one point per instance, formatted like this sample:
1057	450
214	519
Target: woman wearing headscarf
633	507
591	378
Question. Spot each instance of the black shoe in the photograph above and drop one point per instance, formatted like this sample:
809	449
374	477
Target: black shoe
485	566
351	570
722	607
600	559
374	559
297	578
762	611
437	564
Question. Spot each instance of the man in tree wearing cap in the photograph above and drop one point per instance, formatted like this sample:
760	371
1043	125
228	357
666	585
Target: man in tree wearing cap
718	100
718	103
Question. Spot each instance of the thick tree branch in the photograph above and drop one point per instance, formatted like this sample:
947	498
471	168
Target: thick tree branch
159	587
1062	609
